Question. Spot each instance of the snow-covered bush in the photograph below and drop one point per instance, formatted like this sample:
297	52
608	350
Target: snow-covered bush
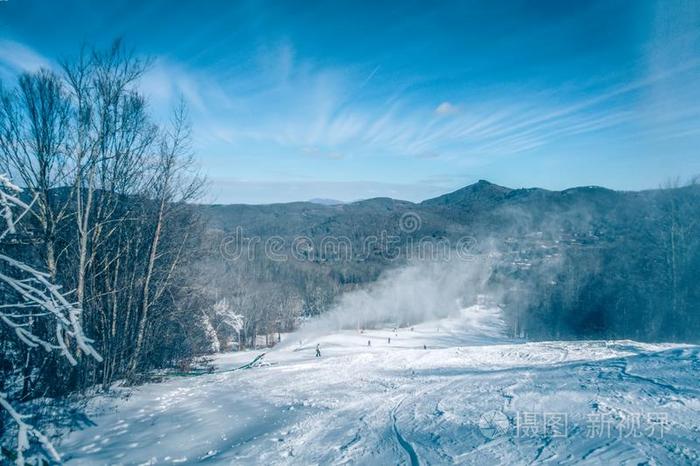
229	320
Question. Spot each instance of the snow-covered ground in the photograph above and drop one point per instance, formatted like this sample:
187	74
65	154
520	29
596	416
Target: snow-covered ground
469	396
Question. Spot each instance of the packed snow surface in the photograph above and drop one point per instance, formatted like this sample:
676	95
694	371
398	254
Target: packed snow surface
451	391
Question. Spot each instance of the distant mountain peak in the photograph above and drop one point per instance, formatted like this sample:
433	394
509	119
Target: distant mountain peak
485	184
482	190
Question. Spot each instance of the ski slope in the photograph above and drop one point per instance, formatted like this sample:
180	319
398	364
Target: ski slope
469	396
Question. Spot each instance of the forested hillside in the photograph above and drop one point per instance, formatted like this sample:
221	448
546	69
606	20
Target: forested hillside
584	262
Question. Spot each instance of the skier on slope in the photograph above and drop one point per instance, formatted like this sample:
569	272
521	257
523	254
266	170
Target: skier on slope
318	350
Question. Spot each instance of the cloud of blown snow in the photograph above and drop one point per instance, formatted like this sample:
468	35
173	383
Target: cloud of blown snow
417	292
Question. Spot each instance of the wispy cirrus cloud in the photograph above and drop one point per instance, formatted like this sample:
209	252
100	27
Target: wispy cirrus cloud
20	57
293	105
302	107
167	81
16	58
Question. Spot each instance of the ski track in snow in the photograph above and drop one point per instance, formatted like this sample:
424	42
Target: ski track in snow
405	445
398	403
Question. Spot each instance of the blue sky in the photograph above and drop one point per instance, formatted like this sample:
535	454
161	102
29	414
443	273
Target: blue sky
348	100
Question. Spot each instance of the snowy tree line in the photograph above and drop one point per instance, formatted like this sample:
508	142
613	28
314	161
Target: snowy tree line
263	299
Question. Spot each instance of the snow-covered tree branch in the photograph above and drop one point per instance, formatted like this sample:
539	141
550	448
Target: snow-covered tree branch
29	298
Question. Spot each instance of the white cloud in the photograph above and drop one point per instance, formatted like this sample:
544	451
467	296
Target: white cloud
446	108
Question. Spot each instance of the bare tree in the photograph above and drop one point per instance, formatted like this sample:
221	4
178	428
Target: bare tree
173	185
33	135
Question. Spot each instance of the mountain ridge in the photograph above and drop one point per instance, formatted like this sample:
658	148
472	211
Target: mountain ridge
481	188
